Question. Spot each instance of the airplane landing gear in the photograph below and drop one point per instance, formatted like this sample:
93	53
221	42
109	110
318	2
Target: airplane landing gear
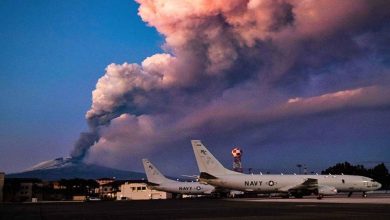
286	196
320	196
364	195
349	194
298	196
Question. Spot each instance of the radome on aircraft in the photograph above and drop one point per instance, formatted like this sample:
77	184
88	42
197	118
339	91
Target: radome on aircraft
214	173
159	182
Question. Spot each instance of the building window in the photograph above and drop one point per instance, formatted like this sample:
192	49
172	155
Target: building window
143	188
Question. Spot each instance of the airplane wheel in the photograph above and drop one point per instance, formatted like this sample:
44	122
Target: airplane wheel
320	196
364	195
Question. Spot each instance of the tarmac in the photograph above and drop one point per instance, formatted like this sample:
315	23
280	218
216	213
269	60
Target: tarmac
339	207
355	199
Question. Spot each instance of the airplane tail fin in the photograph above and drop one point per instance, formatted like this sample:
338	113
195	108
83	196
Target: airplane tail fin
153	174
207	163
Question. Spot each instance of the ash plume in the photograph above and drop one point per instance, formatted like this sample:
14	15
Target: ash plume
82	145
238	67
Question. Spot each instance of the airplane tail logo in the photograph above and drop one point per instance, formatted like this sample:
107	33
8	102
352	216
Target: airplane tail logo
153	174
207	163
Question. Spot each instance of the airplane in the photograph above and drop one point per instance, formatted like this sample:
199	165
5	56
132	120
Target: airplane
214	173
158	181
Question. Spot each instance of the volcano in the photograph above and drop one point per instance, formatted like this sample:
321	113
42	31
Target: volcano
68	168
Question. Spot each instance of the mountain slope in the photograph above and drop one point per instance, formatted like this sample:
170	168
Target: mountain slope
66	168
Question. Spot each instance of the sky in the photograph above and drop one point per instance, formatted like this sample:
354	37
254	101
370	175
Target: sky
52	54
289	82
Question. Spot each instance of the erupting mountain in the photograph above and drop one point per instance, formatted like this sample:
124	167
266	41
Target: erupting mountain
68	168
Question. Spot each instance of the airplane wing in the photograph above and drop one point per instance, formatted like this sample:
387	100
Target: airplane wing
308	185
206	176
152	184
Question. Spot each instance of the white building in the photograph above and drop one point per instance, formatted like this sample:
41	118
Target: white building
138	190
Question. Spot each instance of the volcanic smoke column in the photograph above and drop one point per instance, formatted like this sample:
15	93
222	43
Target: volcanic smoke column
237	153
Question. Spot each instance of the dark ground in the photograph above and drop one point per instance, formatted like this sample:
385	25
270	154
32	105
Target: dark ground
191	209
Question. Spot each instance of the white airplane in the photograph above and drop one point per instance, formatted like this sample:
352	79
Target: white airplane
214	173
160	182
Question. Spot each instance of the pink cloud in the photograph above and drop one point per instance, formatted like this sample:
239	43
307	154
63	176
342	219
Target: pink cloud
142	135
235	64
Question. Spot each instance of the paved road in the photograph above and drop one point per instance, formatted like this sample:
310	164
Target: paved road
192	209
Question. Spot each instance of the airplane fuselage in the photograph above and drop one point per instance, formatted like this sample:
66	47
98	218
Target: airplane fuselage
281	183
191	188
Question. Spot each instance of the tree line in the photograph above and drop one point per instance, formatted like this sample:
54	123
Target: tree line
379	173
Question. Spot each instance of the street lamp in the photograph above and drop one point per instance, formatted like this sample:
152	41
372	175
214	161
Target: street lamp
299	167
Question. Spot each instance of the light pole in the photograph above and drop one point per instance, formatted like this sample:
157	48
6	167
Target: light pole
299	167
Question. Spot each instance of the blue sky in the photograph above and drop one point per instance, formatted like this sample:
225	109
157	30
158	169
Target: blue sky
52	54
